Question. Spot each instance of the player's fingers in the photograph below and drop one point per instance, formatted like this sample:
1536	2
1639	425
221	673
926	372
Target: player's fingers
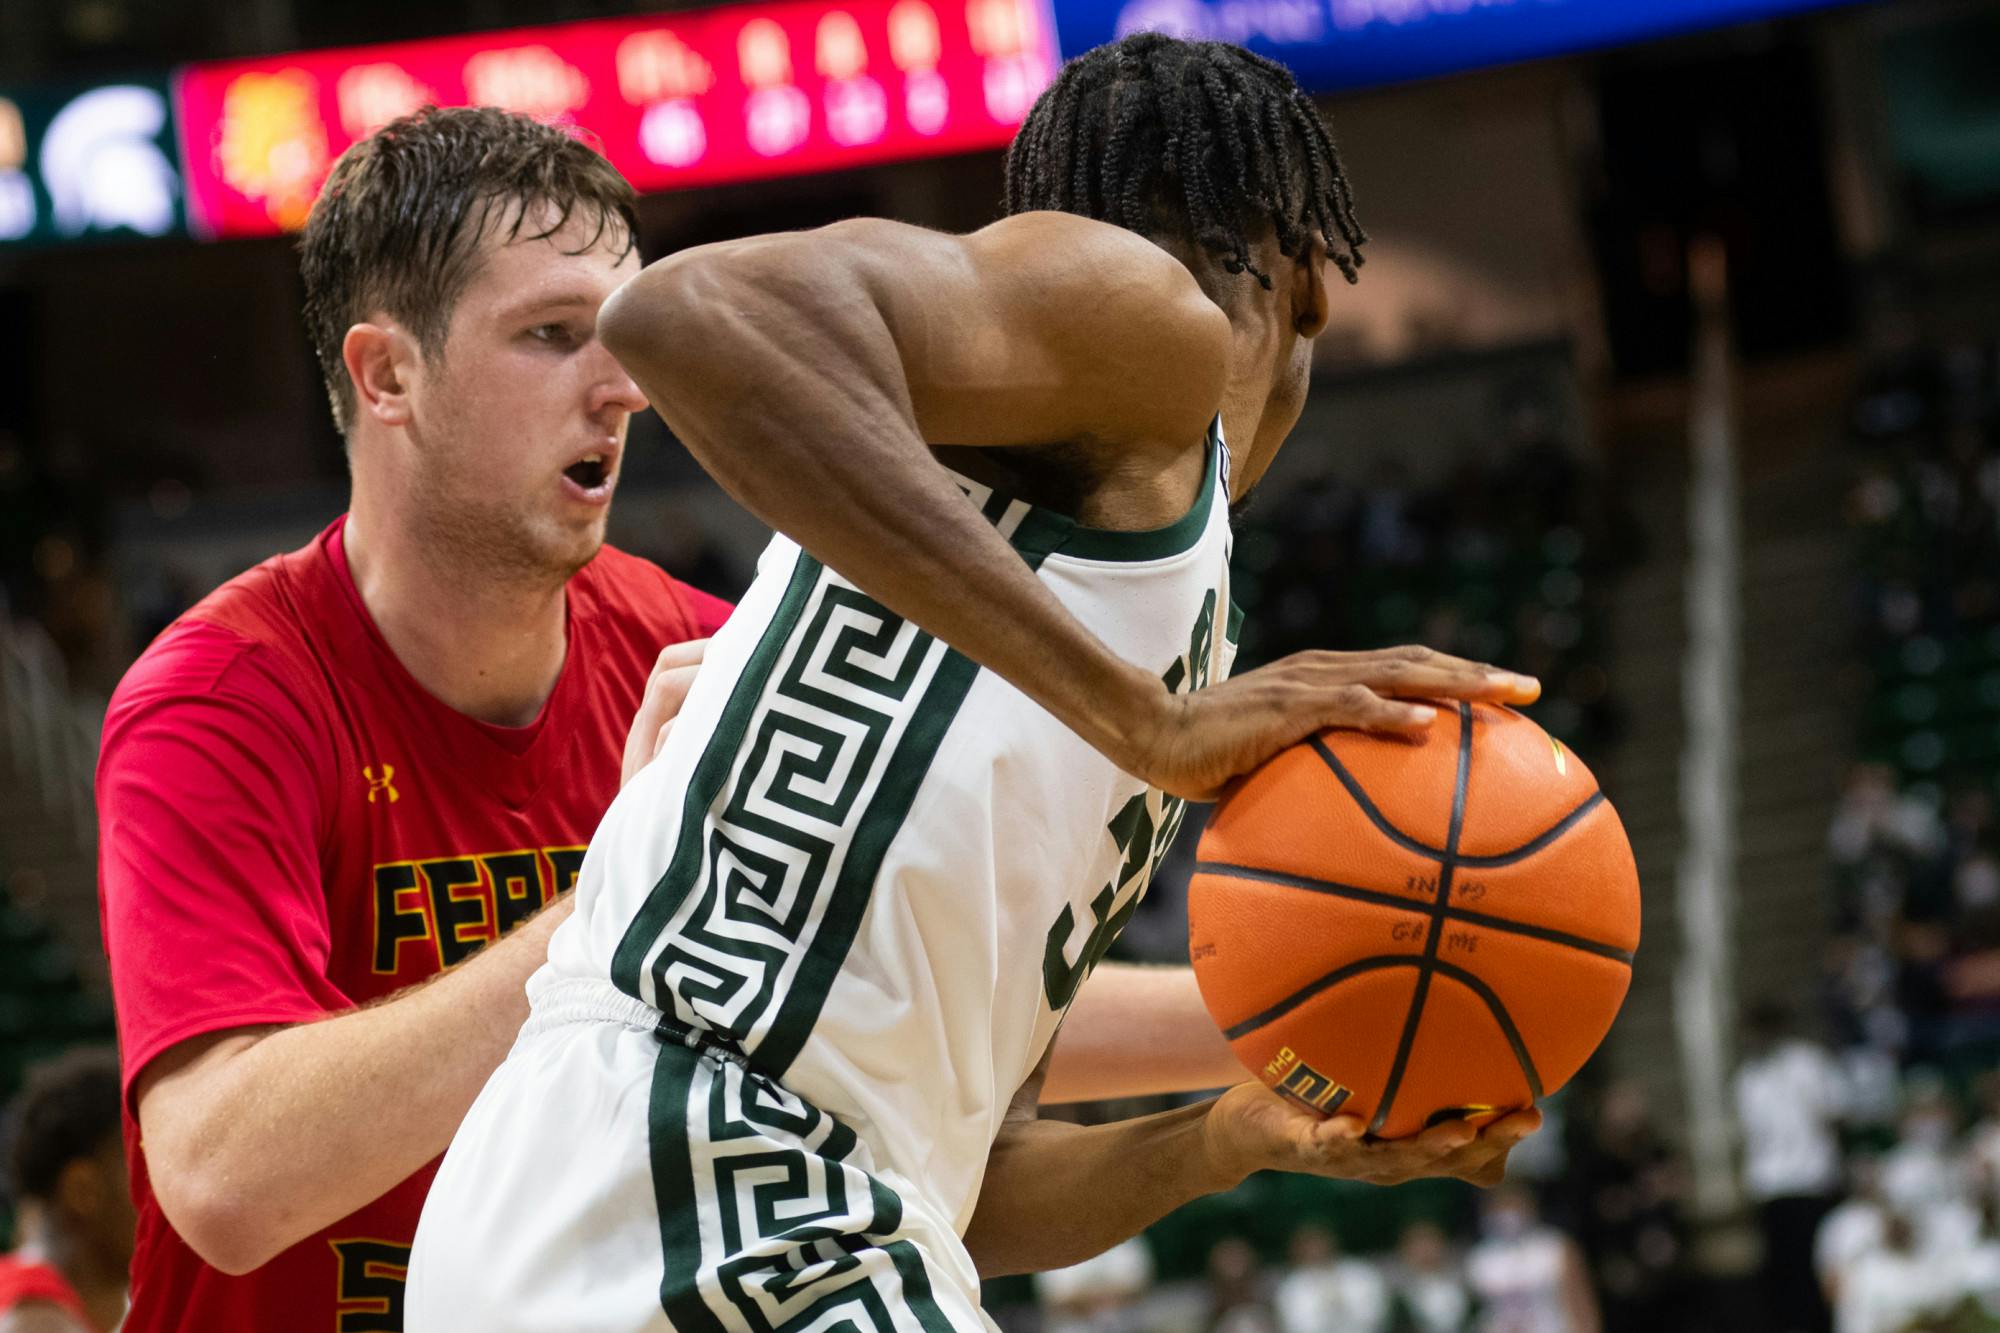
1446	1138
1358	706
669	689
1427	682
1339	1129
685	654
1416	670
1515	1126
660	742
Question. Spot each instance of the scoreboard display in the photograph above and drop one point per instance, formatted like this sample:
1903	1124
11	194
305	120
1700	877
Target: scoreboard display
707	96
690	98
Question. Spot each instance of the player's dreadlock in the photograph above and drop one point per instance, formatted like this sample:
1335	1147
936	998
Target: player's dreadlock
1197	139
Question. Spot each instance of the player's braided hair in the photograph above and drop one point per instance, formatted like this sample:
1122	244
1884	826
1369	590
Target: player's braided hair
1199	140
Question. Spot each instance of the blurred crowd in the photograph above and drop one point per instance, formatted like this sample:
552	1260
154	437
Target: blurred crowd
1915	972
1873	1158
1589	1234
1502	560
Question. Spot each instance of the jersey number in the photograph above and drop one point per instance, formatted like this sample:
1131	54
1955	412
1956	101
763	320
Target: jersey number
372	1273
1140	837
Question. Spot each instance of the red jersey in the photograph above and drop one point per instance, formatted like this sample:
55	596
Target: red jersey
291	825
23	1281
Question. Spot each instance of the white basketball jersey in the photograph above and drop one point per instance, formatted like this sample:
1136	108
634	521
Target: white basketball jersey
876	872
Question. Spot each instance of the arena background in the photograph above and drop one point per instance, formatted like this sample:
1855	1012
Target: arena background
1673	378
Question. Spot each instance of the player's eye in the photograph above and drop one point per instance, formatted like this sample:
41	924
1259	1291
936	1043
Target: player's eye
558	335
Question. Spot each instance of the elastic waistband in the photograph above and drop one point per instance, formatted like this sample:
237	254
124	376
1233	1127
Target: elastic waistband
554	1002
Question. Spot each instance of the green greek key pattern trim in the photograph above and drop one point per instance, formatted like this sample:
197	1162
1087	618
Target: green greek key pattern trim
769	1220
820	752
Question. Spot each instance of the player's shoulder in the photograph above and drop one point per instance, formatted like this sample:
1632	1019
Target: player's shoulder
1115	262
249	637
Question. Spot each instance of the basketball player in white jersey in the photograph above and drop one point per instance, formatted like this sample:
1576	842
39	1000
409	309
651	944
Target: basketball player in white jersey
822	944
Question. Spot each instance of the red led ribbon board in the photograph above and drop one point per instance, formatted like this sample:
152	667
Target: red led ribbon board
692	98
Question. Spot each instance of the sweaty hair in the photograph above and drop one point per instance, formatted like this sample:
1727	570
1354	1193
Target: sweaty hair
68	1111
1201	141
398	226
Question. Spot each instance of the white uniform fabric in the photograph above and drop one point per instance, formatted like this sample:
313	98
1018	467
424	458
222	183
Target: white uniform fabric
833	927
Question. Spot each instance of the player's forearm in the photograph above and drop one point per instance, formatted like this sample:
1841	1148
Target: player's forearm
773	362
1134	1031
1055	1194
310	1123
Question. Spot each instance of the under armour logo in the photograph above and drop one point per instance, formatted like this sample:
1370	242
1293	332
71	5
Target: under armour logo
383	786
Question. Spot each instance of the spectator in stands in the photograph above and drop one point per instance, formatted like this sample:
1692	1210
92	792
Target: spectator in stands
1983	1144
1529	1277
1889	1287
1854	1228
75	1211
1431	1295
1236	1298
1926	1178
1099	1295
1630	1190
1328	1292
1789	1100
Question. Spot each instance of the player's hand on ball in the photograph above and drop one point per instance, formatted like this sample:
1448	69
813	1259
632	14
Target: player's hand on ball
666	690
1250	1128
1202	740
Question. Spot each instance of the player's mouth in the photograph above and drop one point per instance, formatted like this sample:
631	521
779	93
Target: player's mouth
592	477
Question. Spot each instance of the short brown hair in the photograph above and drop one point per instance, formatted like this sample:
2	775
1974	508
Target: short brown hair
399	223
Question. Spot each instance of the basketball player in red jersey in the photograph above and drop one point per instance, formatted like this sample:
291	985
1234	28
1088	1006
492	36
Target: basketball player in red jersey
367	761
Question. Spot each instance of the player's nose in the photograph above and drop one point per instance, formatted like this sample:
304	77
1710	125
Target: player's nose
613	388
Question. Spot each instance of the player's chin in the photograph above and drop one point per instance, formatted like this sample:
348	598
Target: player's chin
575	539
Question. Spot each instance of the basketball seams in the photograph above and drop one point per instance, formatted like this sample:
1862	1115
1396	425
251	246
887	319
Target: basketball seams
1540	840
1367	807
1475	983
1379	898
1435	935
1375	963
1424	849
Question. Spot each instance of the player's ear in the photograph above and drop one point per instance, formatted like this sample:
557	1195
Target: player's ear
1311	307
379	362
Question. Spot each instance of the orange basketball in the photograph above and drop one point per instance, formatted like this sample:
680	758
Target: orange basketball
1407	930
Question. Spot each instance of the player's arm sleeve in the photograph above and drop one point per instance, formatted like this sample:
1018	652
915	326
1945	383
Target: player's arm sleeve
209	798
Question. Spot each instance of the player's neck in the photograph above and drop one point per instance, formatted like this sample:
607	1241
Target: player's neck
98	1278
489	647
